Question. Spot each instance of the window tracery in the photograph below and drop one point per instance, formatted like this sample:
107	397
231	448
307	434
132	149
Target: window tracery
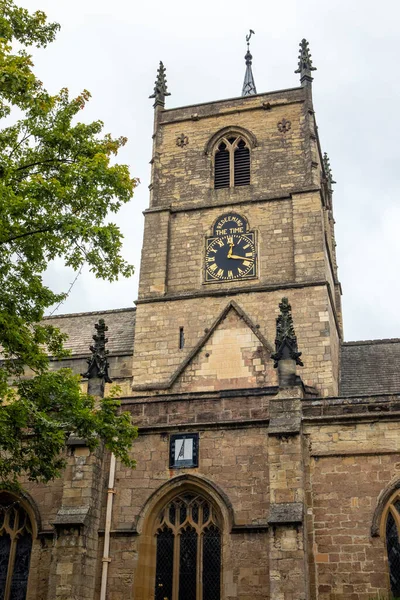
231	163
188	557
15	548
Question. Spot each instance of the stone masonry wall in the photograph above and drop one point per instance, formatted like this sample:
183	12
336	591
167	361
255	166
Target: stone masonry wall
234	460
278	158
273	224
349	466
157	353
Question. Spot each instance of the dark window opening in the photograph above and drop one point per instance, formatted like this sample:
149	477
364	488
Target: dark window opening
164	564
211	562
222	167
15	549
242	164
393	550
232	164
181	338
188	564
188	558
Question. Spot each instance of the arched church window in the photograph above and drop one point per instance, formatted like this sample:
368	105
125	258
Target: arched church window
188	561
231	163
393	544
15	548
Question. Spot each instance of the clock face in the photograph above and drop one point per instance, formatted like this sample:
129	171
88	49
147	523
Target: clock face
230	257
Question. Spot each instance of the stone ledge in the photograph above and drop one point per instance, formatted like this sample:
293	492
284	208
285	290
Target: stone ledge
251	528
273	287
188	427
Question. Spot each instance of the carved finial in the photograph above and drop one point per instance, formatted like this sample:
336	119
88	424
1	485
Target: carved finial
286	340
249	87
98	363
160	87
328	171
305	64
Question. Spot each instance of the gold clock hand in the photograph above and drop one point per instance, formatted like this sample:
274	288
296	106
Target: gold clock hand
230	250
240	257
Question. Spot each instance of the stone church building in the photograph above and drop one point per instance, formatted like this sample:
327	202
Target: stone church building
268	456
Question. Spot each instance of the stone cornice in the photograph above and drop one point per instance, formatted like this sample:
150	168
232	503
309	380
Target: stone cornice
177	208
232	291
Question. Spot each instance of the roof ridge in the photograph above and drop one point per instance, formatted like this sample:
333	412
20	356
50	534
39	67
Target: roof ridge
94	312
372	342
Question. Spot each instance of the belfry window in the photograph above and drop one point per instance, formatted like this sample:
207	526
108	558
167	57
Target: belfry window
393	545
15	548
231	163
188	562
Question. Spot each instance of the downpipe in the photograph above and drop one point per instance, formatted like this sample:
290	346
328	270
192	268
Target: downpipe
106	552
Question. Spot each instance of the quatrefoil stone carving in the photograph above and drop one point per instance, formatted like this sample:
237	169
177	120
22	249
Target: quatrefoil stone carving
284	125
182	140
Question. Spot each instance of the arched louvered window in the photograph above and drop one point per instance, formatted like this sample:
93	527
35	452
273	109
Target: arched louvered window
242	164
222	167
188	561
393	545
15	548
231	163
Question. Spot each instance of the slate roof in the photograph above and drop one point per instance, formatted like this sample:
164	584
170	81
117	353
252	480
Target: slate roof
370	367
80	329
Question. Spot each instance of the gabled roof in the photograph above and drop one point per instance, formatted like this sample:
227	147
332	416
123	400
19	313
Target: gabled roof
370	367
80	329
232	305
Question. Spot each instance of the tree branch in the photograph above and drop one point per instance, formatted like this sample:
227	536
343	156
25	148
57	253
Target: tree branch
28	233
18	145
42	162
36	231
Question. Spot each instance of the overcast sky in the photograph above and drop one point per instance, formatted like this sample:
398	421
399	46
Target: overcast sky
113	50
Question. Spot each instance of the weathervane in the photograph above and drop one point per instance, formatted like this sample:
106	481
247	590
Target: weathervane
248	36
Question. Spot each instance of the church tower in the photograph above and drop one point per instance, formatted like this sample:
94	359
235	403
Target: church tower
240	215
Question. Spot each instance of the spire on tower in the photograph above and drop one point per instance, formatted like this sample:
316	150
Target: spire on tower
305	64
160	87
249	87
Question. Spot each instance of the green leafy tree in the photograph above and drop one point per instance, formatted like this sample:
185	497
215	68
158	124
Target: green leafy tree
57	186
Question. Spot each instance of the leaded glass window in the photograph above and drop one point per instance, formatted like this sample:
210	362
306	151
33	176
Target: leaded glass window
188	560
231	163
393	546
15	548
